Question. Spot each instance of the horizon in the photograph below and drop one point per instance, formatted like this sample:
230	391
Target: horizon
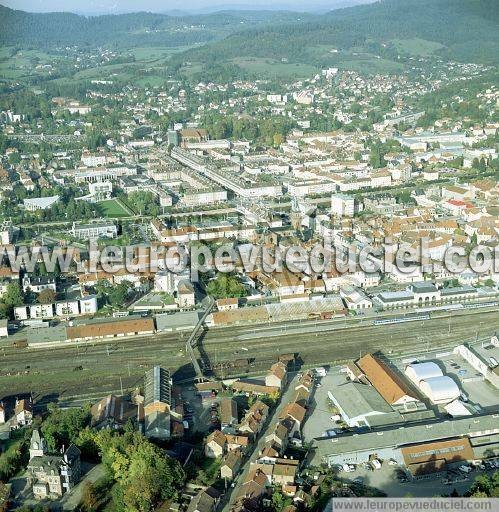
100	7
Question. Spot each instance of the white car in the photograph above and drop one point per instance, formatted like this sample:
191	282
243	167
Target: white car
464	468
347	468
376	464
393	462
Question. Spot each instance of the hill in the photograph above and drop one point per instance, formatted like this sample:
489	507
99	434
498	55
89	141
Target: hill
48	30
381	34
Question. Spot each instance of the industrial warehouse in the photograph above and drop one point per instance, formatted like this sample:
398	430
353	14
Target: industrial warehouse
426	417
424	449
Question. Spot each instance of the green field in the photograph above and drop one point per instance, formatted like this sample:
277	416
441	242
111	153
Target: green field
112	208
273	68
417	47
16	64
371	65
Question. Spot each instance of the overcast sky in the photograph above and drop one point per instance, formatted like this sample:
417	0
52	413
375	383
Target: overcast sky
116	6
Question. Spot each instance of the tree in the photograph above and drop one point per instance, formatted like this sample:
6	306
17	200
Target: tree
118	295
12	298
46	296
144	475
225	286
90	498
63	426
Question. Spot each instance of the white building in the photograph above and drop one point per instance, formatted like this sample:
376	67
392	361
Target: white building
94	230
68	308
38	284
440	390
39	203
342	205
422	371
100	190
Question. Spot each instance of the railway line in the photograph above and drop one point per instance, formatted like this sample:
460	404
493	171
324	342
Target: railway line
102	367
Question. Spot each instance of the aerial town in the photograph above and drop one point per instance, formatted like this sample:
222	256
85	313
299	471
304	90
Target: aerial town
246	293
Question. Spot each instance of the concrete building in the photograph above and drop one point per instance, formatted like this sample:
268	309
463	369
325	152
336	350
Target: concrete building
94	230
398	443
342	205
356	403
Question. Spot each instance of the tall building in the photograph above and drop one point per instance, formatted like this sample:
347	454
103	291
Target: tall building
157	403
342	205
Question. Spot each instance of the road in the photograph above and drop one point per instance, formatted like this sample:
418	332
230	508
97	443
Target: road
108	366
257	447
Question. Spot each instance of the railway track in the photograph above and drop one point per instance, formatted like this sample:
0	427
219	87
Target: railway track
107	366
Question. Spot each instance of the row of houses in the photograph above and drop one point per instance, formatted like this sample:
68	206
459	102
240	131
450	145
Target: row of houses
272	468
64	308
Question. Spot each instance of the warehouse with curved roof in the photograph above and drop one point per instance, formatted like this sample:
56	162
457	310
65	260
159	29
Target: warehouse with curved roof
423	371
440	390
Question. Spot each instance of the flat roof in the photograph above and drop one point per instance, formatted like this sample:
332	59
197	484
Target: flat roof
401	436
359	399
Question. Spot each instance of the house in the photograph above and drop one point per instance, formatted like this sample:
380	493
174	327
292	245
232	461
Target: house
52	475
231	464
276	376
39	203
254	419
227	304
237	442
296	412
284	474
205	501
216	445
251	492
185	294
38	284
94	230
23	413
110	328
280	435
305	382
253	388
228	414
112	412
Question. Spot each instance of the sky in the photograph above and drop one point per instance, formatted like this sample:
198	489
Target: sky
118	6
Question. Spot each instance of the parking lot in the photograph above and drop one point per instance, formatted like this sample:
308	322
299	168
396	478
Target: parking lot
479	391
319	420
385	479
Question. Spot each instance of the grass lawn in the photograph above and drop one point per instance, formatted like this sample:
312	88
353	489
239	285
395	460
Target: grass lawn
371	65
274	68
112	208
417	46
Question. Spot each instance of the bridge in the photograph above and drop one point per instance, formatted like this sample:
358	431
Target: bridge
191	341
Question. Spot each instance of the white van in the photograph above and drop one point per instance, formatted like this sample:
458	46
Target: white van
320	371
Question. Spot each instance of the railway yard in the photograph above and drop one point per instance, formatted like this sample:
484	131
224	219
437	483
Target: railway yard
80	371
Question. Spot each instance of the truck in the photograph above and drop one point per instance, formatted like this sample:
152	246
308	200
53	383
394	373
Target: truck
320	371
